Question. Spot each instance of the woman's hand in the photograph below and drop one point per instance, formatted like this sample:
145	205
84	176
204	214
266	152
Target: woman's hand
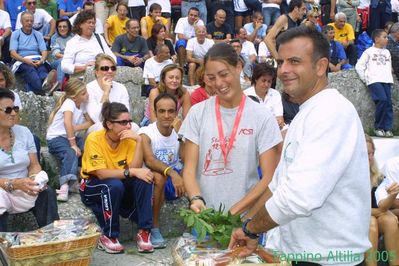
393	189
144	174
78	152
129	134
27	185
106	84
197	205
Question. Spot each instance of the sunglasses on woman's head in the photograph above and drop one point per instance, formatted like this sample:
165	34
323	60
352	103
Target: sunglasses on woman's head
8	110
122	122
107	68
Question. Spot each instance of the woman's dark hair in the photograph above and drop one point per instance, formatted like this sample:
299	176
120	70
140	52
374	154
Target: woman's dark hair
223	52
156	29
82	17
8	75
111	111
164	95
7	94
67	22
122	4
262	69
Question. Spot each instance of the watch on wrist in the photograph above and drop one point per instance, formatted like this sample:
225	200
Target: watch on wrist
8	185
126	173
198	197
247	232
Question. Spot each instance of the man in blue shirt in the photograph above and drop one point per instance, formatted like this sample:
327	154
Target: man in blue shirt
256	30
68	8
27	47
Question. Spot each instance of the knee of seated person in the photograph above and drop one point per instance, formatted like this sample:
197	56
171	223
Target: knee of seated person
388	219
115	185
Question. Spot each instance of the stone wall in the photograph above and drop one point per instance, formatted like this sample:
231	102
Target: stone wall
350	86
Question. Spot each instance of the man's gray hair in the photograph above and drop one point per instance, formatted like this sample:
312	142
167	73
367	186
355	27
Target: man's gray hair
394	28
339	15
26	12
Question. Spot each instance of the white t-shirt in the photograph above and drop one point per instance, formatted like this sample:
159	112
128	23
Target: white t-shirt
164	148
248	49
135	3
57	127
272	100
23	146
165	4
99	25
199	50
152	69
5	21
40	18
321	189
17	100
183	27
262	50
118	94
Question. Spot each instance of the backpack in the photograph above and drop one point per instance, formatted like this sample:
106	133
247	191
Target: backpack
362	43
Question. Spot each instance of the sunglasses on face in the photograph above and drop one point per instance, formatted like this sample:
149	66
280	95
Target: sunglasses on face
122	122
31	3
107	68
8	110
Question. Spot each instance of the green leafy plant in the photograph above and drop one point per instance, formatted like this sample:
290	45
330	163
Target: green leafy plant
216	223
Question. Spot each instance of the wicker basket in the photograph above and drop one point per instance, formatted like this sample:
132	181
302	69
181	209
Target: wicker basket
77	251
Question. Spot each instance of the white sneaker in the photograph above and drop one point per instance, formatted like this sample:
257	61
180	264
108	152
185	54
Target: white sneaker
63	192
379	133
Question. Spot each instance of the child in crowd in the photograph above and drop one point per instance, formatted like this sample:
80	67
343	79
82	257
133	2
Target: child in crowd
68	117
375	69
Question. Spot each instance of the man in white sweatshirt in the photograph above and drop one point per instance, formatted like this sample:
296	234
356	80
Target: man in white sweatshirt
319	197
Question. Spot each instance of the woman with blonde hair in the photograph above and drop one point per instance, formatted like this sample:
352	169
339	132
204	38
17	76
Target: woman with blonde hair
382	221
171	82
67	118
105	89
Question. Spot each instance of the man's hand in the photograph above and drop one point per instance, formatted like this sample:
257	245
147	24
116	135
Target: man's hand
177	182
238	238
78	152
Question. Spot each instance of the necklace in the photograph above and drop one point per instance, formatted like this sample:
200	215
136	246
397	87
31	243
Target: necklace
9	153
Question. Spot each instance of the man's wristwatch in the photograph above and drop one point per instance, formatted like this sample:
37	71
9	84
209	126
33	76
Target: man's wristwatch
126	173
247	232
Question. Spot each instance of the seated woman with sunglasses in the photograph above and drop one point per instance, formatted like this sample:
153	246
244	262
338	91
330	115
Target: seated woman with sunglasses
105	89
18	167
115	182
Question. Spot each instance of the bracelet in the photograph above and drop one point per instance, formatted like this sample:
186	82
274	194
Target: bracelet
73	138
198	197
8	185
165	172
247	232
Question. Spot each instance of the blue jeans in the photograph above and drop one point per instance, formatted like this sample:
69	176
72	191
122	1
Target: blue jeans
381	95
61	149
45	210
57	66
270	15
185	7
33	77
111	197
122	62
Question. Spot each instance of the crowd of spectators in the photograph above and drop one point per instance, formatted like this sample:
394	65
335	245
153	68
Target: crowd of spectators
50	44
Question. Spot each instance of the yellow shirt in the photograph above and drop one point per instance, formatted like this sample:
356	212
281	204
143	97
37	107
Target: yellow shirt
344	34
150	23
116	27
99	155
